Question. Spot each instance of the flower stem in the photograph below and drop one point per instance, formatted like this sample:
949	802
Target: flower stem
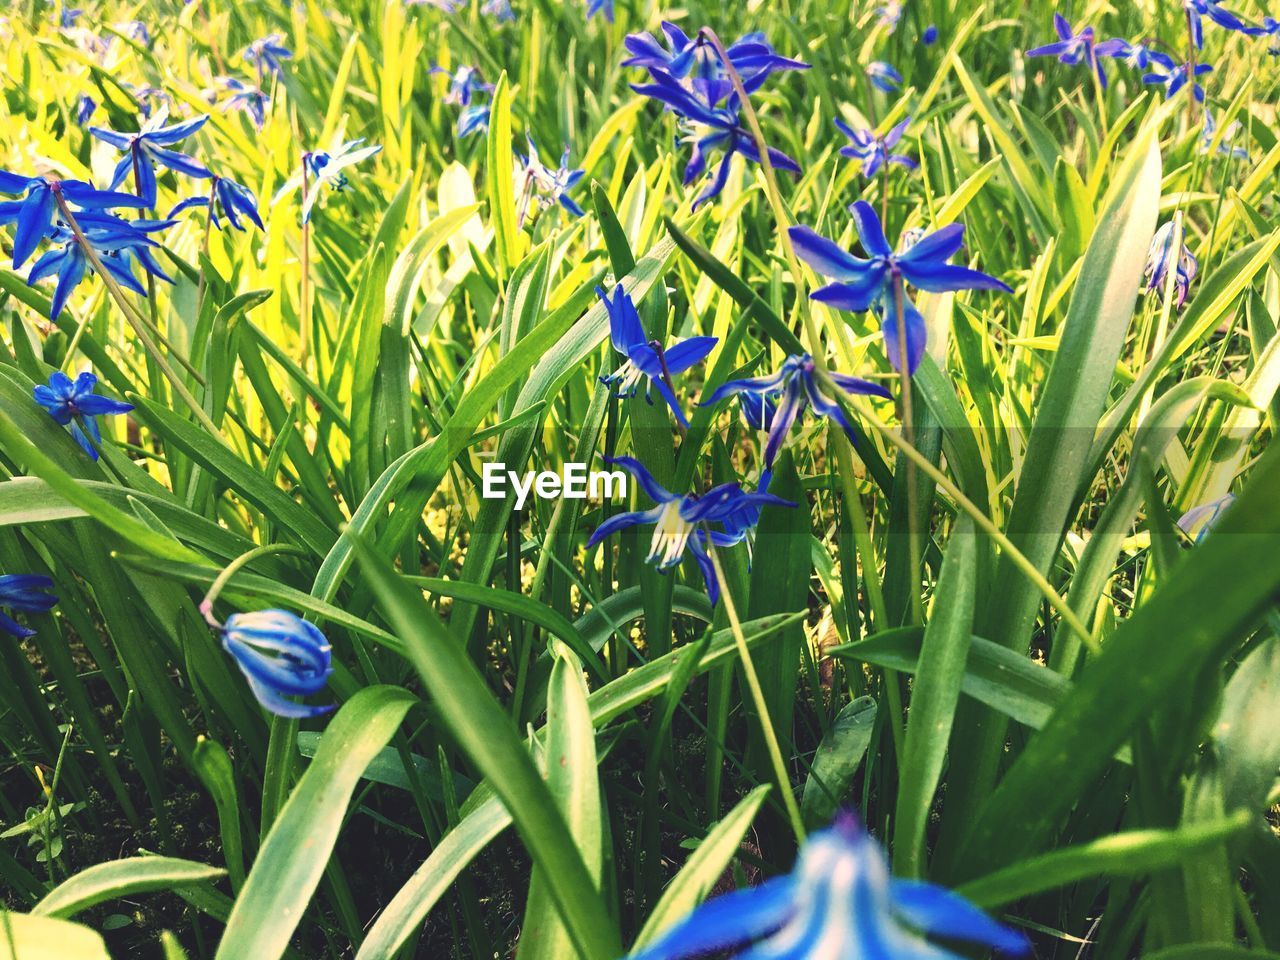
220	581
304	320
757	696
908	434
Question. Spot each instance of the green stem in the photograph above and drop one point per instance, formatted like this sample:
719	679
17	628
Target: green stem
220	581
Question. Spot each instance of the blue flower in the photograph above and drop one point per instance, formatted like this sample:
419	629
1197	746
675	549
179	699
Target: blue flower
739	524
796	385
1137	55
930	35
1199	520
884	77
878	282
322	168
148	146
282	656
1161	254
676	520
117	244
234	199
751	55
1174	78
1197	9
710	128
500	10
73	403
838	903
246	97
1071	48
600	6
268	54
873	150
36	212
464	84
474	119
26	592
643	360
84	109
1224	145
135	30
551	186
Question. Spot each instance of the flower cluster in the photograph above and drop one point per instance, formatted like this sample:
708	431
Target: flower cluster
690	78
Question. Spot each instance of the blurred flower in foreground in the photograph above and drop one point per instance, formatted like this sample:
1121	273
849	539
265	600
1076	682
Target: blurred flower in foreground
1161	254
873	150
884	77
75	404
500	10
134	30
474	119
268	54
889	14
643	360
281	655
35	213
879	282
838	903
1174	77
1072	48
324	167
797	385
26	592
1224	145
234	199
600	6
1136	55
1198	521
676	519
551	186
147	147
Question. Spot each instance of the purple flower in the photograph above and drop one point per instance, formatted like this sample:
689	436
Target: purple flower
600	6
84	109
1198	9
1224	145
268	54
1161	255
751	55
473	120
1174	78
234	199
551	186
500	10
246	97
1072	48
873	150
1199	520
464	84
26	592
73	403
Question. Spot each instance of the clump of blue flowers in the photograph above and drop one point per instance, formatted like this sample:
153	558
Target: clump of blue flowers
27	592
37	213
73	403
838	903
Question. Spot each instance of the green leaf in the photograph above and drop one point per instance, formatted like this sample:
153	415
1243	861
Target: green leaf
122	878
27	937
294	855
500	187
837	761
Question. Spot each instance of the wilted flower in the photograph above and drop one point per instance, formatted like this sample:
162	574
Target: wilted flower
676	519
234	199
1072	48
73	403
797	385
1199	520
644	362
281	655
838	903
873	150
35	213
1174	77
268	54
321	168
26	592
884	77
148	146
878	282
1224	145
550	186
1161	254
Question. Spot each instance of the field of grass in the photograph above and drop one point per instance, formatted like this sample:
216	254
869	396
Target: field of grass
958	356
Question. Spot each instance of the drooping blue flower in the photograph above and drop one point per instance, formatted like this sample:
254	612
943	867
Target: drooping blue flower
474	119
324	168
1161	254
85	107
739	524
710	128
247	98
36	212
795	386
1072	48
1209	131
116	242
751	55
1199	520
268	54
233	199
1174	77
73	403
26	592
643	360
884	77
838	903
551	186
500	10
282	656
873	150
144	149
930	35
676	519
464	84
1196	10
1137	55
878	282
600	6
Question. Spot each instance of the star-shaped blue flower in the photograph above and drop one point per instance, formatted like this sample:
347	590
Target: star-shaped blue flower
551	186
600	6
1137	55
1174	77
694	57
73	403
643	359
27	592
268	54
1197	10
144	149
247	98
464	84
878	282
873	150
838	903
1072	48
36	212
